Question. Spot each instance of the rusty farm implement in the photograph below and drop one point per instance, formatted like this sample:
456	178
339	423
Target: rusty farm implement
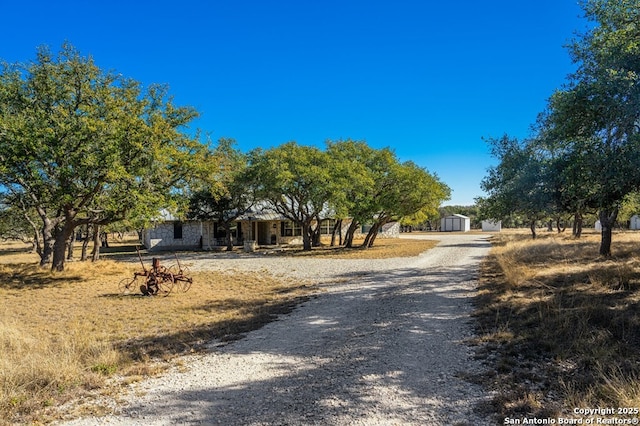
157	280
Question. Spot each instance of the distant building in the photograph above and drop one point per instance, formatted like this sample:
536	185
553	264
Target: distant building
456	222
491	225
634	223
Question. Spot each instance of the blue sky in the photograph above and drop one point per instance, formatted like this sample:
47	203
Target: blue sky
427	78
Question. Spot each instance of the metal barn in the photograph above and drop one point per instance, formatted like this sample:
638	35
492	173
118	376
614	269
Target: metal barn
491	225
456	222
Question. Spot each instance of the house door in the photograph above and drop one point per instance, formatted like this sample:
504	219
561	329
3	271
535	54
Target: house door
263	236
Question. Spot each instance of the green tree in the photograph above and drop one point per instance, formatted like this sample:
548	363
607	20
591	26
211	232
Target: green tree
86	146
18	222
597	113
630	207
296	180
355	166
516	185
571	177
375	188
226	194
406	190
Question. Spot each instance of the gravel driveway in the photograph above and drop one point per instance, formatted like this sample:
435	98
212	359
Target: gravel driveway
384	345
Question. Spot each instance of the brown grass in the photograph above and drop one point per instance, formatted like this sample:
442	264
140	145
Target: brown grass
383	248
70	336
560	325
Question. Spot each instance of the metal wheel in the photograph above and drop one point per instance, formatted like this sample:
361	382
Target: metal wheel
185	284
165	284
181	278
128	285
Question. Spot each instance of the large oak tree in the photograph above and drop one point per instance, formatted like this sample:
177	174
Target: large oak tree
228	192
587	145
83	145
598	113
297	181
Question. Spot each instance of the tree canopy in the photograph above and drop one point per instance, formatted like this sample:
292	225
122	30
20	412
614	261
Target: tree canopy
587	141
82	145
228	192
347	180
296	180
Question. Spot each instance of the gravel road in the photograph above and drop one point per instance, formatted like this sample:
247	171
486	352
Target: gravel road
383	345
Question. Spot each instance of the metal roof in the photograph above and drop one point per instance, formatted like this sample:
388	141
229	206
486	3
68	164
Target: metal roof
261	215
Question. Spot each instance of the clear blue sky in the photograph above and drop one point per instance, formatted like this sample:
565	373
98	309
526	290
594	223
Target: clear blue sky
427	78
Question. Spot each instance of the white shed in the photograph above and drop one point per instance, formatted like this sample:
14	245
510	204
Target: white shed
598	226
456	222
491	225
634	223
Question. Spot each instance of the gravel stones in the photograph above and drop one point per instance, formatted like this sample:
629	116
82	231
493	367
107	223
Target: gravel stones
384	344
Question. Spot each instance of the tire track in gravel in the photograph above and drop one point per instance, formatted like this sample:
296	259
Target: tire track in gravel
384	345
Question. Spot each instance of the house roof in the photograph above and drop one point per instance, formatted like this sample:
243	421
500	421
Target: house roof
262	210
261	215
459	216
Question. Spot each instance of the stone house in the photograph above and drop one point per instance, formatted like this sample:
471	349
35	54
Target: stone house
253	229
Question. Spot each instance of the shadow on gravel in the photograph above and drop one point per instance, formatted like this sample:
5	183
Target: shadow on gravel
389	347
479	244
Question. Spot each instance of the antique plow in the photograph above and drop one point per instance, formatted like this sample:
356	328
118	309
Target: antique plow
157	280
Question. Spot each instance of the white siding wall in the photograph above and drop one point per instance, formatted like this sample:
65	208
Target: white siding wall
455	223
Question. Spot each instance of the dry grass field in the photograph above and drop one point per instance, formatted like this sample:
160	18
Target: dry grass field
71	336
382	248
561	325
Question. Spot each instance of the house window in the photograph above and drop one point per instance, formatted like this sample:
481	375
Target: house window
177	230
290	229
326	226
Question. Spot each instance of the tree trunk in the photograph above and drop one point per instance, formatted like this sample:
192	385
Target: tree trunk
577	225
62	235
532	226
227	236
47	242
70	246
104	239
306	236
373	239
607	220
95	253
371	235
348	238
37	245
315	235
85	243
336	228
